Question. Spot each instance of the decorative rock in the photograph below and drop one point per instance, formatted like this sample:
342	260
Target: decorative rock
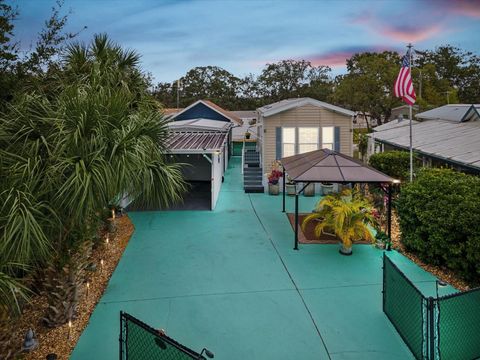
30	343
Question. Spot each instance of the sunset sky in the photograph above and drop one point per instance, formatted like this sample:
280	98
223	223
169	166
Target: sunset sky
242	36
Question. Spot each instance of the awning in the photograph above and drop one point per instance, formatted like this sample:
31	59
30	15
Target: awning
187	142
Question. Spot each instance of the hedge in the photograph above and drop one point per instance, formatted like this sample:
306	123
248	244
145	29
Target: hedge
394	163
440	220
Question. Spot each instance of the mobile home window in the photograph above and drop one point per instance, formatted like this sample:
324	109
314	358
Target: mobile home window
307	139
288	141
328	137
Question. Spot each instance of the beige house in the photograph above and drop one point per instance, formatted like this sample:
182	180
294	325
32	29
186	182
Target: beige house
295	126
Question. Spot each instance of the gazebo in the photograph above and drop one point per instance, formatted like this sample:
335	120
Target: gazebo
330	166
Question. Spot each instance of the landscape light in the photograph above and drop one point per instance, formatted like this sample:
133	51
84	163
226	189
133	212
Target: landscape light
69	329
396	181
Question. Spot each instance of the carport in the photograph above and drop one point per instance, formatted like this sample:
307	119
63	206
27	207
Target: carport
205	158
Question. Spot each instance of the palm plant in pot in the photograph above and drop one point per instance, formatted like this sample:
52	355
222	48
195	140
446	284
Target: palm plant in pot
349	216
273	177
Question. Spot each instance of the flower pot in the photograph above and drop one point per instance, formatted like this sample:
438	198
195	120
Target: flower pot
273	189
247	135
347	251
291	189
309	190
327	188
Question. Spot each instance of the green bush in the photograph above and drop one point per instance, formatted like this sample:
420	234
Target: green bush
440	220
394	163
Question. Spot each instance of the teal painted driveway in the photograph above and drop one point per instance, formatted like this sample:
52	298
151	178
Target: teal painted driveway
230	281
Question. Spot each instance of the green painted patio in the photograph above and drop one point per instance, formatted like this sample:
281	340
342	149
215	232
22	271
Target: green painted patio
230	281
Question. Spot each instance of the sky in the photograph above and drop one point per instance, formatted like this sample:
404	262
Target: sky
242	36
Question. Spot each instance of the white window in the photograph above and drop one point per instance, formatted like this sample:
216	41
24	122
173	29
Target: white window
307	139
328	137
288	141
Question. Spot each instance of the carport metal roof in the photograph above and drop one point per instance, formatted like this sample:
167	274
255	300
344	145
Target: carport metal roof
196	142
330	166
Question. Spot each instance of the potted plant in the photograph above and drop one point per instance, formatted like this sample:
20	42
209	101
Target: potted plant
327	188
349	220
247	135
291	187
273	176
382	239
309	190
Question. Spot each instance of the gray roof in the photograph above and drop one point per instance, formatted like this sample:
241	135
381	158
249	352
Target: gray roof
453	112
189	142
284	105
331	166
394	124
199	125
457	142
246	114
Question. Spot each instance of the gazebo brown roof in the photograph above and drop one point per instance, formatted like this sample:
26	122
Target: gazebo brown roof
330	166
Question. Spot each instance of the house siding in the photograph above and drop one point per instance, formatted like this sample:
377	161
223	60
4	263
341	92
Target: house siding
201	111
305	116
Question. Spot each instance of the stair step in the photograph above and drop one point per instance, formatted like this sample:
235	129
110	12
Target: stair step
253	177
254	189
252	183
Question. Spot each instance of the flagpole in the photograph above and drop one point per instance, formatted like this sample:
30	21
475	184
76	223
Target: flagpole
409	46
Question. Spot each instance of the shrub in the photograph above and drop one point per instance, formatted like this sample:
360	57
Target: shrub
394	163
439	220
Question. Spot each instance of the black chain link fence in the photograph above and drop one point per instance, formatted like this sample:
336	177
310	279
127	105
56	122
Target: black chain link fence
405	306
138	341
444	328
458	326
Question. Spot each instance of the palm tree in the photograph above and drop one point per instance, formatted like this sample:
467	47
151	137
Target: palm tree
67	155
345	215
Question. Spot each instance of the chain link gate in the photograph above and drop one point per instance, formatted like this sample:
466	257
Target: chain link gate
443	328
138	341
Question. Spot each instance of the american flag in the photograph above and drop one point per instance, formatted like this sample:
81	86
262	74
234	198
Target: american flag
403	85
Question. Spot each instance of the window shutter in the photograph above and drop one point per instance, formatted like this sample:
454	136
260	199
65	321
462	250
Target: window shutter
336	145
278	143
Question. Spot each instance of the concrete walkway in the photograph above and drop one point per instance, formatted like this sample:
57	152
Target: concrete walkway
229	280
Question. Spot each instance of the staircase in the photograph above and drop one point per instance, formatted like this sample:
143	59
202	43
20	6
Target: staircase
252	171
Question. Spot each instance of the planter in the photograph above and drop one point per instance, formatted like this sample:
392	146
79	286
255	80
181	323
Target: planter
273	189
291	189
347	251
247	135
327	188
309	190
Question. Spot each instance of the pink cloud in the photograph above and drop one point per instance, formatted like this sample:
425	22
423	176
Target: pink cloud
338	58
406	34
413	27
467	8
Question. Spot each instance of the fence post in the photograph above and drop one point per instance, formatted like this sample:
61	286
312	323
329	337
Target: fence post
431	328
383	284
120	337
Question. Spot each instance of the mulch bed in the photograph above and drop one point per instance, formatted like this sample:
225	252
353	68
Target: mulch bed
308	236
58	340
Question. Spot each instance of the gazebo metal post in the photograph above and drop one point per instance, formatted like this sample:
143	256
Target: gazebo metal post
283	195
296	221
296	213
389	215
